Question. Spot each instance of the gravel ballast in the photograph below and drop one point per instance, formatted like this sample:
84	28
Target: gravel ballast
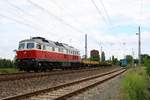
105	91
10	88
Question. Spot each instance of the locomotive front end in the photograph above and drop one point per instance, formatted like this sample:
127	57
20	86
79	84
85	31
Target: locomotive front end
26	55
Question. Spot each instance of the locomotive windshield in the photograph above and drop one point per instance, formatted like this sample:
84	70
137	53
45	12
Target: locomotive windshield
30	45
21	46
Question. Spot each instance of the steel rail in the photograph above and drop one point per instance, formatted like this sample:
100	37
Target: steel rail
27	95
18	76
71	94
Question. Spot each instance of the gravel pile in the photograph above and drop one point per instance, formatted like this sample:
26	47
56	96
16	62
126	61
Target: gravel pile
10	88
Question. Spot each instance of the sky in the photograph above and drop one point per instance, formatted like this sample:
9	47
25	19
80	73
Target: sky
109	24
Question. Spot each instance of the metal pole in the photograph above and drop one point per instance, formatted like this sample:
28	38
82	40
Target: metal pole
85	46
124	55
101	51
139	43
132	57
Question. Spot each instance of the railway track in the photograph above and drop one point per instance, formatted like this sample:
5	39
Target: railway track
24	75
64	91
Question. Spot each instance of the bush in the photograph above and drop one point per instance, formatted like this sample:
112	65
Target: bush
6	63
147	65
135	86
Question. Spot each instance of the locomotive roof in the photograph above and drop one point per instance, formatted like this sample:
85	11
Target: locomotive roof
49	42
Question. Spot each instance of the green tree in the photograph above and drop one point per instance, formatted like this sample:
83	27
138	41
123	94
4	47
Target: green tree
103	56
146	61
114	60
129	59
143	56
6	63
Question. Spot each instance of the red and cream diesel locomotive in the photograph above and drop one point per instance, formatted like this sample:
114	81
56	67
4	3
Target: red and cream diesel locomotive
40	54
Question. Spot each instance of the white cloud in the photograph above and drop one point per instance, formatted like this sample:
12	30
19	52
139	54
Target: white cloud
81	15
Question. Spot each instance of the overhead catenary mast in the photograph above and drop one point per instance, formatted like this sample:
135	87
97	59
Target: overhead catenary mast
132	57
85	46
139	43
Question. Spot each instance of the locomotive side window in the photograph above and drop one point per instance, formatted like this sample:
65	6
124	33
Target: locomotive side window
48	48
21	46
67	51
38	46
64	51
56	49
53	49
30	45
75	52
44	47
60	49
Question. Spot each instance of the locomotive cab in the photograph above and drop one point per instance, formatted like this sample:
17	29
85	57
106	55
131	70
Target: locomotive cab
26	54
27	49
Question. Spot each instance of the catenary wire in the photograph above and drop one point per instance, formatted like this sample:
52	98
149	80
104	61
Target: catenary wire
106	12
100	13
66	10
21	10
59	19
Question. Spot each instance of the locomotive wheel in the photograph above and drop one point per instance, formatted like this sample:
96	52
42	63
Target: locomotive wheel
28	70
36	70
39	68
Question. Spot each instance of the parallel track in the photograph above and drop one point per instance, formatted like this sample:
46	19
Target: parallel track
64	91
18	76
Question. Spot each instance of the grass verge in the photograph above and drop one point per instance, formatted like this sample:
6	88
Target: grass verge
135	85
8	70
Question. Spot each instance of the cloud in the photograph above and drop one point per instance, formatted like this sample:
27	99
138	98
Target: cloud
69	20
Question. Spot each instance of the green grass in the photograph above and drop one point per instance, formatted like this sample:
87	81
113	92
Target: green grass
8	70
135	84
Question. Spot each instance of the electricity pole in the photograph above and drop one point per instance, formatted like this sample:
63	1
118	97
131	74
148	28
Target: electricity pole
101	51
85	46
132	57
124	55
139	45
